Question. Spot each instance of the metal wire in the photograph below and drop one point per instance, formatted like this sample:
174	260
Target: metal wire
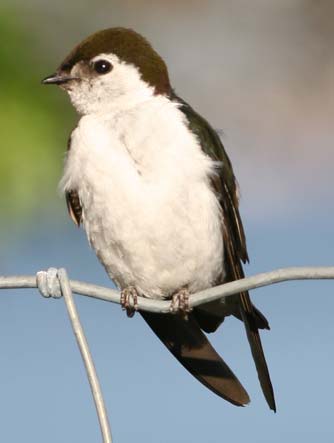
86	356
163	306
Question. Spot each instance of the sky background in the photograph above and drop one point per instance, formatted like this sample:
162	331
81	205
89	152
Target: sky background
261	73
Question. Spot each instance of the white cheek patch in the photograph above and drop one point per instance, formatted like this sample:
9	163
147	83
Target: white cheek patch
120	88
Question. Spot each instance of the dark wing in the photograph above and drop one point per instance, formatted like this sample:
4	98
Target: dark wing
74	206
224	184
72	198
189	345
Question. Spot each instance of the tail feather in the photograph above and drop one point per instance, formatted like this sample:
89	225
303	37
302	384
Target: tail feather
257	317
190	346
251	326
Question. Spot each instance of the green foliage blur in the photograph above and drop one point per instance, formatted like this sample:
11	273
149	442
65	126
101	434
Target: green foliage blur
35	123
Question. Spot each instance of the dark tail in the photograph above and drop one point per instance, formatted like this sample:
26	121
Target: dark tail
189	345
251	321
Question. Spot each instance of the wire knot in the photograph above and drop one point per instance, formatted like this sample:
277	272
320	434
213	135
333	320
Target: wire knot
48	283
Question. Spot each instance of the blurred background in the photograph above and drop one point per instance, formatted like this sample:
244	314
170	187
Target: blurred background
262	73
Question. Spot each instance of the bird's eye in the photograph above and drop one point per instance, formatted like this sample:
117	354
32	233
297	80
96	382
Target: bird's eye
102	66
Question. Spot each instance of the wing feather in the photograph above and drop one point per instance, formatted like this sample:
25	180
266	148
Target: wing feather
72	198
235	250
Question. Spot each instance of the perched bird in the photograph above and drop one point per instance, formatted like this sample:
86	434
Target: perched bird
151	183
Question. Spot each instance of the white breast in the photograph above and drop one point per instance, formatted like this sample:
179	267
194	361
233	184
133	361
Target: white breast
148	209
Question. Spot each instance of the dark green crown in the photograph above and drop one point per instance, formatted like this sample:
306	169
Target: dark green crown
130	47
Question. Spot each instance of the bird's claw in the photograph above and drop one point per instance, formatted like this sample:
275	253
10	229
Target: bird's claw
180	303
129	300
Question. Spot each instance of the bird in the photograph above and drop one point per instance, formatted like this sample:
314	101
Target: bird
151	183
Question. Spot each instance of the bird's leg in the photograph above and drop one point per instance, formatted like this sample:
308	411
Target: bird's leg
129	300
180	302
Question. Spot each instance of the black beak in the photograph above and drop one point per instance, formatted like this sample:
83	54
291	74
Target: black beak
58	79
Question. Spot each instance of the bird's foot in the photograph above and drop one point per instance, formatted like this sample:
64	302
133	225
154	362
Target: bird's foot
129	300
180	303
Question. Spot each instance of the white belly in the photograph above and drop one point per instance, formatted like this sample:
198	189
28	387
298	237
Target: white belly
148	209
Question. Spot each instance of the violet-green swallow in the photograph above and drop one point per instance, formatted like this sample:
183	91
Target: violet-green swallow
151	183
